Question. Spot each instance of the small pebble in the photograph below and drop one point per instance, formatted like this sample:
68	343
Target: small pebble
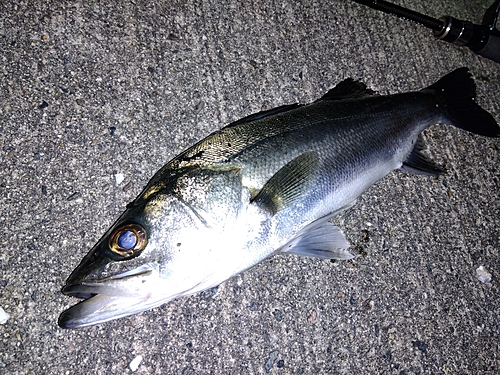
313	317
253	306
278	315
483	275
119	178
199	107
3	316
420	345
209	293
134	365
128	186
368	305
270	361
73	197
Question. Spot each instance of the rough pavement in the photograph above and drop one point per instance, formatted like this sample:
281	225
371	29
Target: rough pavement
92	89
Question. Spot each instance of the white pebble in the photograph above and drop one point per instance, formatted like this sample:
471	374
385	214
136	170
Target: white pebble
134	365
3	316
119	178
483	275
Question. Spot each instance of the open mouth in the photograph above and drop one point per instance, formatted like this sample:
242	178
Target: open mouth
103	300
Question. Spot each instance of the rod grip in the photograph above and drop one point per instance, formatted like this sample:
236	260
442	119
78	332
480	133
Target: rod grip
479	38
491	50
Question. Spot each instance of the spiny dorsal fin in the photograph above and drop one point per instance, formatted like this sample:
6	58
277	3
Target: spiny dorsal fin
348	89
262	114
289	183
417	162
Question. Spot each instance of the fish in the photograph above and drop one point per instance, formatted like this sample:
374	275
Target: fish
268	183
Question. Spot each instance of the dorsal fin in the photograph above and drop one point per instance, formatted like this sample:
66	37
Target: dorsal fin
348	89
262	114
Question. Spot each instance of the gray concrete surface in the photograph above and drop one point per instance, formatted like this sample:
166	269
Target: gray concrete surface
90	89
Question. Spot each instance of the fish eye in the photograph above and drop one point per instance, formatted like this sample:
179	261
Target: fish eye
128	240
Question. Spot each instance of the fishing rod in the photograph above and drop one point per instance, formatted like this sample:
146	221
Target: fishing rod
483	39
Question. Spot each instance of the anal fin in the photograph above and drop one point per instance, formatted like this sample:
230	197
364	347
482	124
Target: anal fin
417	162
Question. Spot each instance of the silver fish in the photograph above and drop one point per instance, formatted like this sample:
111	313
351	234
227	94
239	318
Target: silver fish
265	184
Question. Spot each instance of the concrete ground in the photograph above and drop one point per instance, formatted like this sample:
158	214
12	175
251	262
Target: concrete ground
92	89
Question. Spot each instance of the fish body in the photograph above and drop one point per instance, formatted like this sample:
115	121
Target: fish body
267	183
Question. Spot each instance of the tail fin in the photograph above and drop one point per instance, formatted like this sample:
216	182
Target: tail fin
456	92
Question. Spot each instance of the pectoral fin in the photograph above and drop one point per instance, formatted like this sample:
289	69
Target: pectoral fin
289	184
325	241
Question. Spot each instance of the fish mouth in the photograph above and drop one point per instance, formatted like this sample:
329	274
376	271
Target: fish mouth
110	298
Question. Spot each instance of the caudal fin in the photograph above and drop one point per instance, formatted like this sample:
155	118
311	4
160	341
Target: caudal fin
456	92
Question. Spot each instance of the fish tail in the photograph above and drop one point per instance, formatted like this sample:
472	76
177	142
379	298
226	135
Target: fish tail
456	91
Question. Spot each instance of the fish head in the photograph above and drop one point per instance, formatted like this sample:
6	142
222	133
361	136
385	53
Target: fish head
138	264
